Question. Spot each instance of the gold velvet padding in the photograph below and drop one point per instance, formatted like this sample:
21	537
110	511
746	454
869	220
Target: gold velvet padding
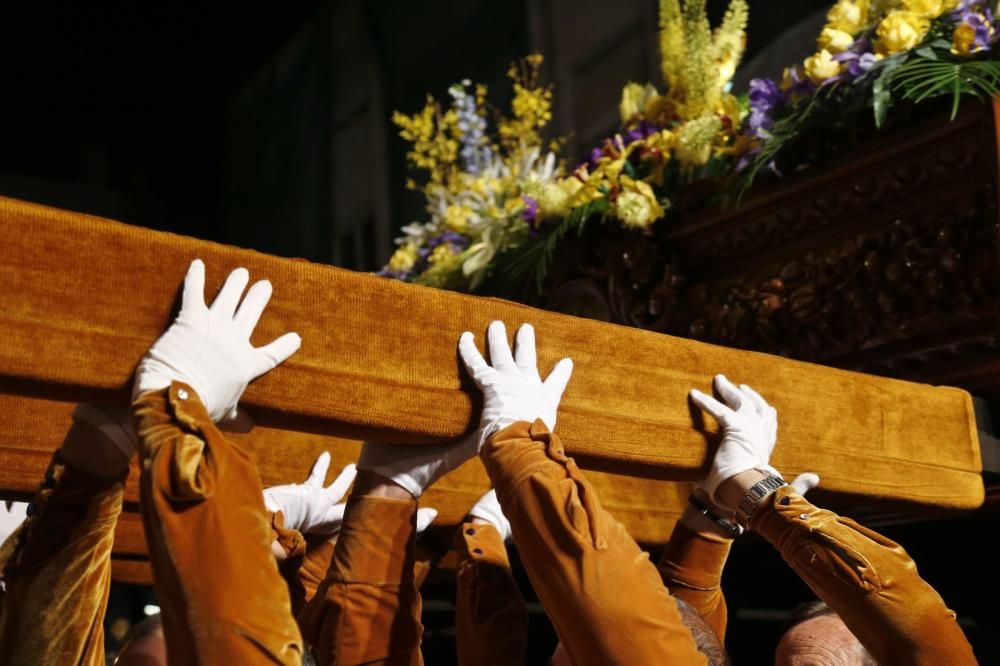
83	298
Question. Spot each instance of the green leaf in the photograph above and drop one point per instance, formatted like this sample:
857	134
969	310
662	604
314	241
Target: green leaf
882	90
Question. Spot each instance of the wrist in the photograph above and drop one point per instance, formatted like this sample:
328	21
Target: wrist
374	484
731	491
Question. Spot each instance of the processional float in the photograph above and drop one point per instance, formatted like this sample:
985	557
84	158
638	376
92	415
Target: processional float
84	298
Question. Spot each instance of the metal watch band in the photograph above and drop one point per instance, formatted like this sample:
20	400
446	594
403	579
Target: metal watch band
753	497
732	529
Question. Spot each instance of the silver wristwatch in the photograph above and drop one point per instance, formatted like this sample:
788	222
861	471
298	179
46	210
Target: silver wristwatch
753	497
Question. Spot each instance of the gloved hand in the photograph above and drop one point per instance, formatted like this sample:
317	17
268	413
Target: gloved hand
416	468
309	507
12	514
488	509
514	392
749	431
209	348
804	482
512	388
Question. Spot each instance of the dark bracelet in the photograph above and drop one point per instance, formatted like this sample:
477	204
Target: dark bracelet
731	528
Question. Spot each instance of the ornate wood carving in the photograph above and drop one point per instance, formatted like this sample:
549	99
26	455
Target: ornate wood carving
884	260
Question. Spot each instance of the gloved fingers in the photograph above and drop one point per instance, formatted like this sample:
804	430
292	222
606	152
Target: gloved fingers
557	380
758	402
718	411
229	296
317	475
805	482
524	353
332	521
271	355
425	517
252	307
500	356
193	296
730	394
336	490
473	360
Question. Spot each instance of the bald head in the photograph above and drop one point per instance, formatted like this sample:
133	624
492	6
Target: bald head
821	640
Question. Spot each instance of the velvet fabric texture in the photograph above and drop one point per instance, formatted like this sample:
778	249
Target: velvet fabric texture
57	568
865	578
601	592
378	359
491	620
220	593
35	427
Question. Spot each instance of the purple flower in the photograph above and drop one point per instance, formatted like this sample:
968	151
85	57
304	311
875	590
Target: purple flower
640	132
765	97
530	212
456	240
856	63
974	32
765	94
595	155
394	274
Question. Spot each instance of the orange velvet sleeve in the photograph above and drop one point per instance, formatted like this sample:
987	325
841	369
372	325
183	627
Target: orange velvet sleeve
602	593
691	567
216	579
367	609
57	570
865	578
491	621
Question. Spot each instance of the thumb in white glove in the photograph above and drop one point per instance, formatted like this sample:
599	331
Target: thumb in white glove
488	509
309	507
749	431
512	388
209	348
425	517
804	482
12	514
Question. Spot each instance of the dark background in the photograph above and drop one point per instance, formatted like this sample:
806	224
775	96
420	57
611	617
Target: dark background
267	126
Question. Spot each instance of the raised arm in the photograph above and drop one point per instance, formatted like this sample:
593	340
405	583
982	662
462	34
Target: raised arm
216	579
865	578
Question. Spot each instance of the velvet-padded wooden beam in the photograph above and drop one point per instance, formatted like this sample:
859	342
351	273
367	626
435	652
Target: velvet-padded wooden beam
84	297
34	427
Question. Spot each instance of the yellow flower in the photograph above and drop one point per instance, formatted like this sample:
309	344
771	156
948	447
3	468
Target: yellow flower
848	15
456	218
441	253
926	8
403	258
821	67
635	100
834	40
636	205
553	200
900	31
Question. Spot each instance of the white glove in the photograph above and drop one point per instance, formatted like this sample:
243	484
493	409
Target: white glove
309	507
416	468
512	388
425	517
804	482
513	391
488	508
749	432
12	514
209	348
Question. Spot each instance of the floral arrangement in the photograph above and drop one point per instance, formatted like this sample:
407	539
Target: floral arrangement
499	201
873	54
484	192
